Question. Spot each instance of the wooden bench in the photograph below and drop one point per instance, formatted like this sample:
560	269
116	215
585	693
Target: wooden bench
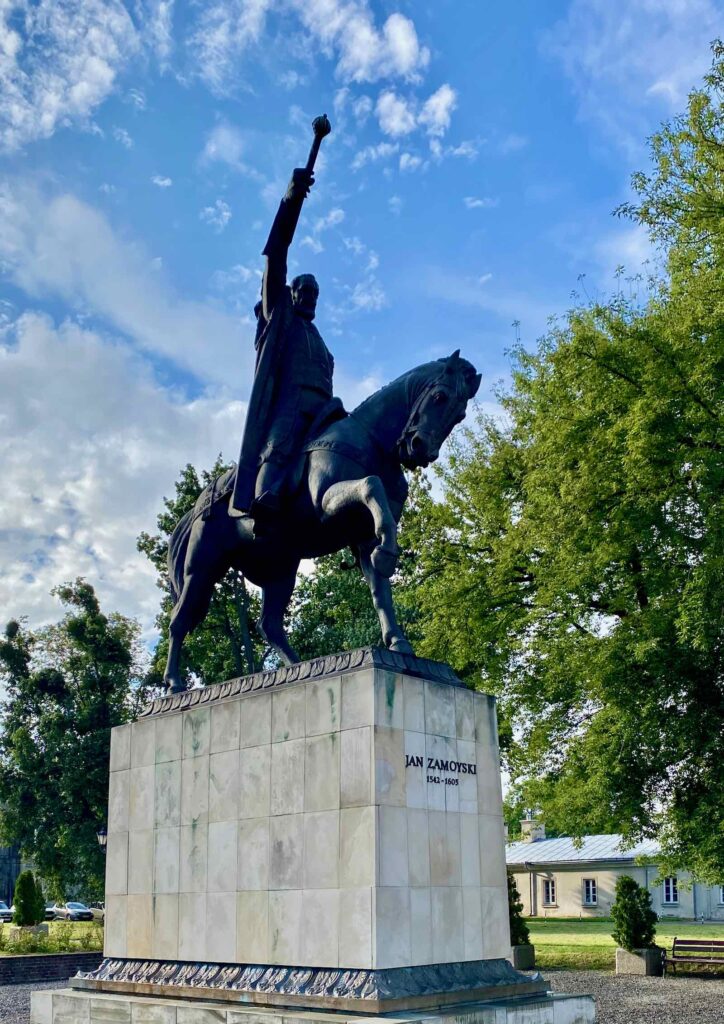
695	951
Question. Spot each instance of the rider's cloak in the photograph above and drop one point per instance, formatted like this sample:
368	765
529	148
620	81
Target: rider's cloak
269	342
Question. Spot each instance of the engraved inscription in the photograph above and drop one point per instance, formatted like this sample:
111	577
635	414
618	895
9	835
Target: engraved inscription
436	765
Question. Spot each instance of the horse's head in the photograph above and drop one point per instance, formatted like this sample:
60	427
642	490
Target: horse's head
438	407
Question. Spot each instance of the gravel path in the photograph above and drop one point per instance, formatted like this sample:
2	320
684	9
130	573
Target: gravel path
624	999
619	1000
15	1000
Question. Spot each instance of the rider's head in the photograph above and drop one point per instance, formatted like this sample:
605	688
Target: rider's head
305	292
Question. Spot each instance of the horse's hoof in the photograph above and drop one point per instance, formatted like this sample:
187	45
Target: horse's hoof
400	646
384	560
175	686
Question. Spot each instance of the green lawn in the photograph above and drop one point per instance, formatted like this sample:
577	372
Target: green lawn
587	945
64	936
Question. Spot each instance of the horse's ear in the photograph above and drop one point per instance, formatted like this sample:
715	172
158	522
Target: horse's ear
475	384
452	362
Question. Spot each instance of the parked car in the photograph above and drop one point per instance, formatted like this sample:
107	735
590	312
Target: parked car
51	911
74	912
99	911
6	912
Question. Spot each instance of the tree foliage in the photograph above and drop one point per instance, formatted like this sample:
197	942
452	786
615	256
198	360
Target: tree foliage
519	931
632	915
226	643
576	564
28	901
66	686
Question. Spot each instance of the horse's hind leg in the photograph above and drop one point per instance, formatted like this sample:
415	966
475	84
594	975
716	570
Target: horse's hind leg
274	601
188	612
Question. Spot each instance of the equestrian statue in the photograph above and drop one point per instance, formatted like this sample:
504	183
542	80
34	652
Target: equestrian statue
311	478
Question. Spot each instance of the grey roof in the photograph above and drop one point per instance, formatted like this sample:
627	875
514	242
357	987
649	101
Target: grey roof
558	851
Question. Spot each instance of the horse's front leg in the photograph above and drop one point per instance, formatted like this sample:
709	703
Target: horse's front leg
393	635
370	492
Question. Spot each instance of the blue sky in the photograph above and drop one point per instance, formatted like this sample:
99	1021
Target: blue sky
477	152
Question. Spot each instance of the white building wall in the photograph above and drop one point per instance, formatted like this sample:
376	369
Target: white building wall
693	900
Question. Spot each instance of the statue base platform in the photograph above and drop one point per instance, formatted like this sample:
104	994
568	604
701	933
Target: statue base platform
70	1006
361	991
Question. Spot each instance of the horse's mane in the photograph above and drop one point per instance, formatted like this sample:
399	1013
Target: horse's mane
466	379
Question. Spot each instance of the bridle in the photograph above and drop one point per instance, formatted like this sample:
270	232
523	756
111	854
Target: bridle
440	381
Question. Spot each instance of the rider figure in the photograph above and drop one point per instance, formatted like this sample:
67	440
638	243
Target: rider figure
293	378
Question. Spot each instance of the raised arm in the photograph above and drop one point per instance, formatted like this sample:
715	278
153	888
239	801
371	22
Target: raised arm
280	238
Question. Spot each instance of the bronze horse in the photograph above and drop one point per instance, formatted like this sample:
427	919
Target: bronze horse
348	490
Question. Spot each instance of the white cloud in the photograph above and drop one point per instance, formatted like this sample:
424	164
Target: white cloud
330	220
467	148
395	114
84	476
356	246
343	30
362	108
367	295
216	216
60	60
437	110
629	67
291	80
57	247
223	31
122	136
410	162
484	278
161	181
157	19
226	144
480	203
372	154
512	143
395	205
365	53
312	243
627	247
138	98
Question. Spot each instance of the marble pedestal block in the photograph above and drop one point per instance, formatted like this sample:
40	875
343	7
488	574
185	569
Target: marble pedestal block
341	818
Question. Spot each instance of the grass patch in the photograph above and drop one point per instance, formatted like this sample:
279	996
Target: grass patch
62	937
570	944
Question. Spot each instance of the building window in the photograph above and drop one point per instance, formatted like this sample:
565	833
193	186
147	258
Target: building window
590	892
549	892
721	894
671	889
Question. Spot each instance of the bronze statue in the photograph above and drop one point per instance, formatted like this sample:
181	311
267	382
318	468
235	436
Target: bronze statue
311	479
293	379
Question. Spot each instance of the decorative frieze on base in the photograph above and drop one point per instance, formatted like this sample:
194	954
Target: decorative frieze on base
303	671
401	988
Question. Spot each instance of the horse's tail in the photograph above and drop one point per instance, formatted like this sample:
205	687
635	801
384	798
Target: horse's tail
177	547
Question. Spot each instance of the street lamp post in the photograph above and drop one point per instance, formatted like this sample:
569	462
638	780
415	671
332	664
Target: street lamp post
102	837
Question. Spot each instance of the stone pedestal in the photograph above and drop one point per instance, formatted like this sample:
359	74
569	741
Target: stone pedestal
328	835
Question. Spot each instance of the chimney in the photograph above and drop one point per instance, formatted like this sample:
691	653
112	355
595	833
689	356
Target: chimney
531	830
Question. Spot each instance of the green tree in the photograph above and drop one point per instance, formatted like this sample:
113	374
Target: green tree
66	686
331	609
576	565
632	915
227	643
28	901
519	932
